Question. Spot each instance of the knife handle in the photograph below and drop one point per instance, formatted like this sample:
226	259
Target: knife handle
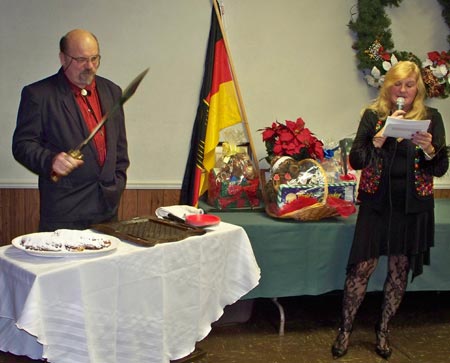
76	154
175	218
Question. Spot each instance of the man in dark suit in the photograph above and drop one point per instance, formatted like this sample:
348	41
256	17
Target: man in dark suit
55	115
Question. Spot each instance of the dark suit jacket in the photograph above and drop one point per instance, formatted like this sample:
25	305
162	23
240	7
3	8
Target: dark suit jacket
49	121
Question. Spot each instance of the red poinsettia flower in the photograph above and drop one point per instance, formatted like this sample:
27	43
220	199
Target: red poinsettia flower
317	150
304	137
439	58
295	127
292	139
383	54
269	132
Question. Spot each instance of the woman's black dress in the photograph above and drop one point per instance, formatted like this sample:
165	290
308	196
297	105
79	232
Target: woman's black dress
392	231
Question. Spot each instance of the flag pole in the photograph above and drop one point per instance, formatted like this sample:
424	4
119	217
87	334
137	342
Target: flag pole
238	91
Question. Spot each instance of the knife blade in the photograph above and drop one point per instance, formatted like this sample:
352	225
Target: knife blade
126	95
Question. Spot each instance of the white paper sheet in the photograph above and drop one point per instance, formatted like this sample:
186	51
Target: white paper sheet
404	128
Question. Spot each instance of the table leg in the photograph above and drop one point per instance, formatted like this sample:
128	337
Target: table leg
282	319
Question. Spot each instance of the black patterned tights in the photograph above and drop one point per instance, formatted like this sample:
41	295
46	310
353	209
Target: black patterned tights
356	286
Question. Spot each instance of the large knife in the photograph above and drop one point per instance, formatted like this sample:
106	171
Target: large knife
126	95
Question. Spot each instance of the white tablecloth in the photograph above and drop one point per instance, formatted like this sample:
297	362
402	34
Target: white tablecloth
133	305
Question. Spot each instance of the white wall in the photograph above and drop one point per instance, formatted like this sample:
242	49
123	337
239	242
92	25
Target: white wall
292	58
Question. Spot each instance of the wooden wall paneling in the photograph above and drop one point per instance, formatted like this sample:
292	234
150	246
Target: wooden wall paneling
442	193
149	200
128	204
11	216
3	217
28	212
19	208
17	213
171	197
33	204
155	199
136	203
144	203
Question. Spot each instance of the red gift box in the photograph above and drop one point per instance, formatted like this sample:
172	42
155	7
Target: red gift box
225	194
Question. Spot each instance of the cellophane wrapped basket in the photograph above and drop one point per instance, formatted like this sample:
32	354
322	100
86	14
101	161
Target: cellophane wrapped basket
233	183
298	190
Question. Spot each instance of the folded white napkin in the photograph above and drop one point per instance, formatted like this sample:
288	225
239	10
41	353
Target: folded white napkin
180	211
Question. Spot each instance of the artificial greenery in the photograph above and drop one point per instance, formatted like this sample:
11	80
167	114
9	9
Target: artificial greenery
446	13
375	48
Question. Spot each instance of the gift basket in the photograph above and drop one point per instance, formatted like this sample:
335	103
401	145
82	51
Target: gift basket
233	182
299	186
298	190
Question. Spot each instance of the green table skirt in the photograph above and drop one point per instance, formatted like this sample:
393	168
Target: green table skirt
309	258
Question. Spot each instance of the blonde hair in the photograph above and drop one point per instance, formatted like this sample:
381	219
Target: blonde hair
382	104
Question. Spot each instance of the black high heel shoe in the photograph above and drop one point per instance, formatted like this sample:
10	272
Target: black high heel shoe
382	347
340	345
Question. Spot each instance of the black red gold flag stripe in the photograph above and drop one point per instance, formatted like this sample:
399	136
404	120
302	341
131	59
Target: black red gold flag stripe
218	109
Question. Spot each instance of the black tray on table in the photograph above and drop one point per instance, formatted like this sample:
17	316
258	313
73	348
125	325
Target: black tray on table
148	231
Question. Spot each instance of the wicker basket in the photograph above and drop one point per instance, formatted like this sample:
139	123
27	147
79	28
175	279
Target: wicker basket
313	212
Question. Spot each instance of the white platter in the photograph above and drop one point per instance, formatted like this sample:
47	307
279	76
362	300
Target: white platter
16	242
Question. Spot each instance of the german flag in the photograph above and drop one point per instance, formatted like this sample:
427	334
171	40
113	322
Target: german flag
218	109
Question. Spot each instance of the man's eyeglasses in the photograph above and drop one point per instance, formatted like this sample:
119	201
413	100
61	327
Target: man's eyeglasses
95	59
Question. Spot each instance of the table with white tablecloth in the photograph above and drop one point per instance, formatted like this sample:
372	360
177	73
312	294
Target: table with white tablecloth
132	305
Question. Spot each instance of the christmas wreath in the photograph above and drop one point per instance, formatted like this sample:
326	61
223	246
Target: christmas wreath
376	54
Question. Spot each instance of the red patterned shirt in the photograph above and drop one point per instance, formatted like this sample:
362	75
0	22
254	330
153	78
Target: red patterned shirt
90	108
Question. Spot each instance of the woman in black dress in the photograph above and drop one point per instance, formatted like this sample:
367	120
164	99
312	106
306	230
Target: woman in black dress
396	213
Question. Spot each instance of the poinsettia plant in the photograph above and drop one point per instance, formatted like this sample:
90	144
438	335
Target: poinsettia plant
291	139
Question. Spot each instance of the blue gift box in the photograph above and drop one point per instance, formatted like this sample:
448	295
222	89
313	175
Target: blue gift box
342	190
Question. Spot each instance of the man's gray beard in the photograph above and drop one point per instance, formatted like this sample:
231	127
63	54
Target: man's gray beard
86	78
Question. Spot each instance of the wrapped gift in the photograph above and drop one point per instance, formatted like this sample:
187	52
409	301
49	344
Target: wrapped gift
300	189
343	190
233	183
307	193
341	177
225	194
294	185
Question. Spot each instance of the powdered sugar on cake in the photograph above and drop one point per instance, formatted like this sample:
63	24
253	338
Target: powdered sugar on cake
41	243
65	240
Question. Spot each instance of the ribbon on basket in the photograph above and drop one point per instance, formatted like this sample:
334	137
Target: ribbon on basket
232	149
233	195
299	190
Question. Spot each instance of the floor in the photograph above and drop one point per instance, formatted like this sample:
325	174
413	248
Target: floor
420	333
